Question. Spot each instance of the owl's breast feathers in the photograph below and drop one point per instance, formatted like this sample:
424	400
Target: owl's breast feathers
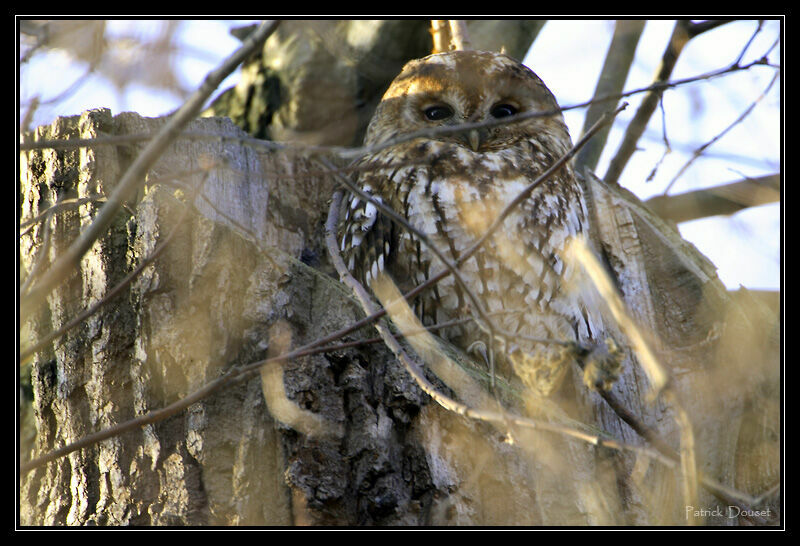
453	197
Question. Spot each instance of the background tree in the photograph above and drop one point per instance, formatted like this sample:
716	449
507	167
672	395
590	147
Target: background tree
217	261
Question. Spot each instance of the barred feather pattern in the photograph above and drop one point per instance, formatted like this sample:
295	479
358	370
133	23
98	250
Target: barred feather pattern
451	192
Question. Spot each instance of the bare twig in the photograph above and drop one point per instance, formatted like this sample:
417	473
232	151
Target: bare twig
25	123
658	86
664	139
61	205
681	34
729	496
70	259
640	120
656	374
349	153
117	289
660	385
699	151
133	424
42	254
74	86
38	31
750	41
689	473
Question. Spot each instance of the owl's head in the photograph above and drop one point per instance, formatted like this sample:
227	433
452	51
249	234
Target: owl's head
448	89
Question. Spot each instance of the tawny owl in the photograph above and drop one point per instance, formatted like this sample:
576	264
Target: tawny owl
452	186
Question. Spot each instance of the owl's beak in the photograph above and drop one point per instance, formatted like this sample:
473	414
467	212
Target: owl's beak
475	138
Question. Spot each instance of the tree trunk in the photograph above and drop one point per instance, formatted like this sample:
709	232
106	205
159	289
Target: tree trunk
345	437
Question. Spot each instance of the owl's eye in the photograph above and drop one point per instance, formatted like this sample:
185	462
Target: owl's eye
503	111
438	112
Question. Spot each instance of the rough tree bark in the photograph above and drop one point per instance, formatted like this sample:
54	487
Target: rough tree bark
347	437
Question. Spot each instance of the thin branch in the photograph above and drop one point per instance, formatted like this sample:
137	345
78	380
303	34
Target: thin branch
41	257
729	496
105	140
724	199
62	205
658	86
640	120
35	30
689	472
99	198
699	151
74	86
149	418
656	374
116	290
24	124
661	384
664	139
680	36
134	175
750	41
349	153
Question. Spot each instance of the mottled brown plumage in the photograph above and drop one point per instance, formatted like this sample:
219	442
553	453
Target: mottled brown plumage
452	186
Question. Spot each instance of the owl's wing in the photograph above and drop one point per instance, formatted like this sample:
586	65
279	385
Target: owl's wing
366	238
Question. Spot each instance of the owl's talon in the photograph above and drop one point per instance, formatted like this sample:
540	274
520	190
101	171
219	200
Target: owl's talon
479	348
602	365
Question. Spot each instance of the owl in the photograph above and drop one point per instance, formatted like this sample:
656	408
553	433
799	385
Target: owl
451	185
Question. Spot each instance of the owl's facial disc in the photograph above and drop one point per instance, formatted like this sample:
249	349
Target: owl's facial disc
466	87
